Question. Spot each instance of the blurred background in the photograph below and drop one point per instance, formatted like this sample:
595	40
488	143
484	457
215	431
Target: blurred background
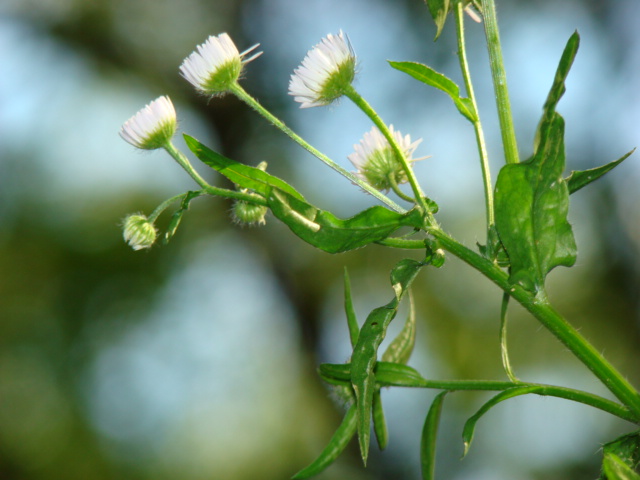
196	360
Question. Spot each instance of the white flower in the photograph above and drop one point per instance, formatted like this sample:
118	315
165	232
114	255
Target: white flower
326	72
138	231
216	65
153	126
376	161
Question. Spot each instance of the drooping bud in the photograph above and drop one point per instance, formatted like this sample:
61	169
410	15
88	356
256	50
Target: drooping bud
138	231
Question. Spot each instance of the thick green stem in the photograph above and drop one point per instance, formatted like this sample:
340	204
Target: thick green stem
552	320
477	125
499	81
239	92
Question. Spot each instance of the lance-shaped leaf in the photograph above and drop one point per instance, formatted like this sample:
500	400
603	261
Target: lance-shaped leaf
352	321
334	448
243	175
379	422
176	218
439	10
581	178
401	347
431	77
365	352
325	231
428	440
386	375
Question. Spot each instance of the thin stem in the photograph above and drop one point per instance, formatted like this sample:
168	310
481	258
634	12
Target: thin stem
361	103
552	320
241	93
396	189
477	125
163	206
209	189
499	81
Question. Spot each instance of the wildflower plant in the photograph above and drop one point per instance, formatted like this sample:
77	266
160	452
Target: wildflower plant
527	232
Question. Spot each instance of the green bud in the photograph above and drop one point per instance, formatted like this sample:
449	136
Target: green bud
138	231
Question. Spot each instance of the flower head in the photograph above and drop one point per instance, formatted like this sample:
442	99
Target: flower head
376	161
153	126
216	64
138	231
325	73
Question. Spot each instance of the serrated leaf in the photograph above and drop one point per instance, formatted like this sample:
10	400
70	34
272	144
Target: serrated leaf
242	175
364	357
352	321
531	204
401	347
176	218
334	448
325	231
439	10
379	422
428	439
437	80
581	178
470	425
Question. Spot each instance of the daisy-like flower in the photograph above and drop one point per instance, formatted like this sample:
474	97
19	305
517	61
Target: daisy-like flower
216	64
376	162
325	73
153	126
138	231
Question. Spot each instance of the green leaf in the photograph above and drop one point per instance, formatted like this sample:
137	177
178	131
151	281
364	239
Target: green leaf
581	178
432	78
531	204
428	440
470	425
438	10
325	231
622	458
243	175
532	198
397	375
176	218
614	468
558	87
352	321
379	422
400	349
365	352
335	373
334	448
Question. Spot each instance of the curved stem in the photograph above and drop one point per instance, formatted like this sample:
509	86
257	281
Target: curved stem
552	320
499	81
396	189
477	125
241	93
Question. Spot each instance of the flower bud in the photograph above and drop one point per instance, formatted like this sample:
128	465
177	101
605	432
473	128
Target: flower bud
138	231
153	126
248	213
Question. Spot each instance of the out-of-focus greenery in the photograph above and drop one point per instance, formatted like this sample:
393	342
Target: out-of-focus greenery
163	364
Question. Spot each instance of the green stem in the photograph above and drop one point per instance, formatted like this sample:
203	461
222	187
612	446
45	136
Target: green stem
477	125
241	93
499	81
503	338
552	320
209	189
396	189
361	103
